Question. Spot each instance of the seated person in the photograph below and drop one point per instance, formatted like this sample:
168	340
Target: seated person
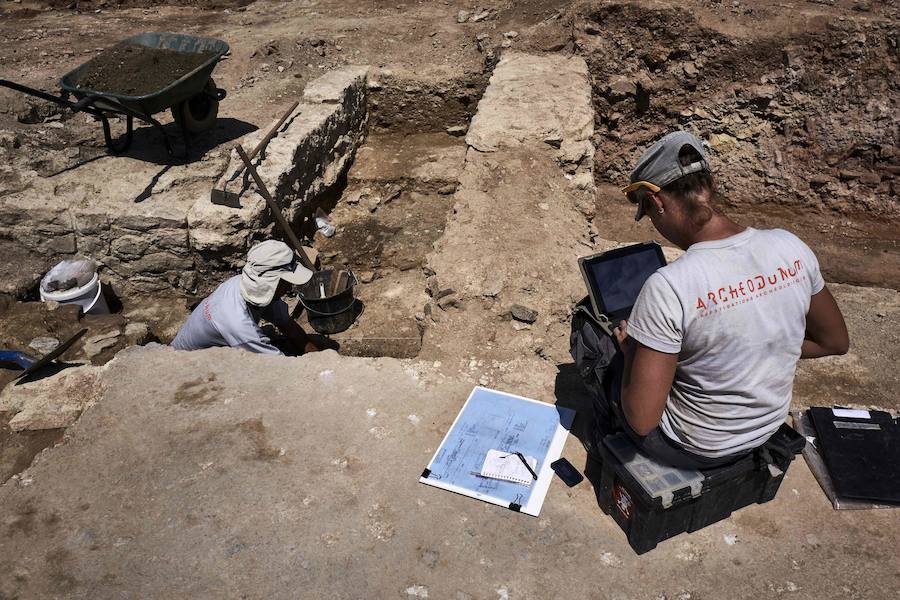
230	315
708	355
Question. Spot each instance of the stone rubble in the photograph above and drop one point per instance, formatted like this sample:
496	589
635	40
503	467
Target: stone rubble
51	402
169	235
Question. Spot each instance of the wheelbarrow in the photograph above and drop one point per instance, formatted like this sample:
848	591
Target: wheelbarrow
193	98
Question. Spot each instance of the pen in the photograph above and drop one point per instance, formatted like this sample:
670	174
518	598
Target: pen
527	466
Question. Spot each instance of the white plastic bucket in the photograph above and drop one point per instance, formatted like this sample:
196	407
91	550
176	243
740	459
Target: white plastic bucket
89	297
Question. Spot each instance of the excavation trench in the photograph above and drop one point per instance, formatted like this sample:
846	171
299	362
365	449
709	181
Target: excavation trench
389	203
446	235
394	205
393	209
822	165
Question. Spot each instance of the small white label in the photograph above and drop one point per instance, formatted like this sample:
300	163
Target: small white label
851	413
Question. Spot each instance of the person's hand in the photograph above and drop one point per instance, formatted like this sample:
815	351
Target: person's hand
626	344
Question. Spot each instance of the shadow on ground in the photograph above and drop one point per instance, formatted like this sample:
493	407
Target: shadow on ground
571	392
149	146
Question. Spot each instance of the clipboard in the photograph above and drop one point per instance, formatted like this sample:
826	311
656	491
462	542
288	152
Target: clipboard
495	420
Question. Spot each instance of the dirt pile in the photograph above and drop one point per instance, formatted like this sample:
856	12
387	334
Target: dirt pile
805	119
85	5
135	70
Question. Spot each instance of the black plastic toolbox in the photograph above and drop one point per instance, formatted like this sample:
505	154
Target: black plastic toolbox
652	502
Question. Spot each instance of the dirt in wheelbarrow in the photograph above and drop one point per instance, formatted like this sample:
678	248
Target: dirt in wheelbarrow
89	5
134	70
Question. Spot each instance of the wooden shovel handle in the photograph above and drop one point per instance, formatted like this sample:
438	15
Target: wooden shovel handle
276	210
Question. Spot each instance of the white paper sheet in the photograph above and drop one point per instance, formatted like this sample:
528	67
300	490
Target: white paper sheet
851	413
508	467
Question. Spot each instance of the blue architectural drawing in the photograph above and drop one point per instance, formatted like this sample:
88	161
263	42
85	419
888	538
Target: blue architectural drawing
496	420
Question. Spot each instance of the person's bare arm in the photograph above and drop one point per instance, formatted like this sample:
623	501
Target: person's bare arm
646	381
826	332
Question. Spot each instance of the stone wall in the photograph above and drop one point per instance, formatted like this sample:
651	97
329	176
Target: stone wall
151	226
314	147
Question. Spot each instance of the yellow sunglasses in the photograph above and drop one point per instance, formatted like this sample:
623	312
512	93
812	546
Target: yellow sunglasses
633	187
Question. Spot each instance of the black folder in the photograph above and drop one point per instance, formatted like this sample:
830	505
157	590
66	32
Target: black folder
862	452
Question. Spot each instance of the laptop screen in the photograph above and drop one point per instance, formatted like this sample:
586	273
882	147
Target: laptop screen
619	277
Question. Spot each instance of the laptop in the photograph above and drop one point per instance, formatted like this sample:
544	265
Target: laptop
615	278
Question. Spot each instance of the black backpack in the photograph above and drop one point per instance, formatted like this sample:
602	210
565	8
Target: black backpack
593	350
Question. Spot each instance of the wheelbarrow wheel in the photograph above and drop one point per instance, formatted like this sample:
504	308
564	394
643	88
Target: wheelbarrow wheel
199	113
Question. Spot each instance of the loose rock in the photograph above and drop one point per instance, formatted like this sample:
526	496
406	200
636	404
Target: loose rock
523	313
137	334
96	344
51	402
43	345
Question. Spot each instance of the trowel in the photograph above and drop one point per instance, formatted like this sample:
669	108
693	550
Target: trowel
30	364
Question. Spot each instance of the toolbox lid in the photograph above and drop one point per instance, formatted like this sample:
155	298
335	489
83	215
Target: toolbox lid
658	480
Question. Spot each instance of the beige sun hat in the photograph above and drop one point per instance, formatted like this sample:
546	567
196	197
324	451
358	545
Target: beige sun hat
268	263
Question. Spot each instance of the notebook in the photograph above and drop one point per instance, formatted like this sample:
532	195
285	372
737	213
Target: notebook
500	464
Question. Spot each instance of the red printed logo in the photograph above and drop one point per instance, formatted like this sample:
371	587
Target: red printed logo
623	501
749	289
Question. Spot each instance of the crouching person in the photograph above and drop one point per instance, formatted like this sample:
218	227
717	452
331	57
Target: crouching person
230	315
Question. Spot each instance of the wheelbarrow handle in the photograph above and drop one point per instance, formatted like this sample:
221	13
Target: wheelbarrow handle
84	103
24	89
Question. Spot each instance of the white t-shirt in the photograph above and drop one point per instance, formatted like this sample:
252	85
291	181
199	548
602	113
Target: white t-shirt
224	319
734	310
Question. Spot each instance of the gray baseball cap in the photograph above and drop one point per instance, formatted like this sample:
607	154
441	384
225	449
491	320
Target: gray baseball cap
268	263
659	166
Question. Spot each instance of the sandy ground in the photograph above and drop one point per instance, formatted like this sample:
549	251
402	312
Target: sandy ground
801	99
216	483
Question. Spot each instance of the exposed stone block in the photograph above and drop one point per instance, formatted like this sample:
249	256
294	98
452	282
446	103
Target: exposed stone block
314	147
533	98
54	401
332	87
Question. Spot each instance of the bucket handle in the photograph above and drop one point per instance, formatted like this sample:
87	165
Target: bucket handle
328	314
337	312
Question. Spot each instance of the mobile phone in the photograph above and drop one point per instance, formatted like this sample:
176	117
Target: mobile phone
567	472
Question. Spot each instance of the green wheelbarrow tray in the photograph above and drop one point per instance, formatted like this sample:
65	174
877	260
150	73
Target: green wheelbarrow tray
178	91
